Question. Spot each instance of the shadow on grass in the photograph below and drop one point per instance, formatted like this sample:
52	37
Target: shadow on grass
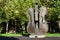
8	38
25	34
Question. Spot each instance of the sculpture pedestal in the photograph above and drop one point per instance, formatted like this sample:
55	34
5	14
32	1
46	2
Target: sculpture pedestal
37	36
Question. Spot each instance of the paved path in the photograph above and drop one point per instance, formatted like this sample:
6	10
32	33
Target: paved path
27	38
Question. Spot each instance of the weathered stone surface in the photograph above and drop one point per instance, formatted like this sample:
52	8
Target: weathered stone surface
33	27
43	27
31	24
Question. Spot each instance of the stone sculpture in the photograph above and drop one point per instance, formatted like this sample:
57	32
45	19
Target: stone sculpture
31	24
43	27
37	25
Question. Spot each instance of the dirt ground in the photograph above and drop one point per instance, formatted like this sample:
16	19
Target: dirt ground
27	38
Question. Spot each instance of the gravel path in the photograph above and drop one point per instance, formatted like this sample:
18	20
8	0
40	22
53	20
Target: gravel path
27	38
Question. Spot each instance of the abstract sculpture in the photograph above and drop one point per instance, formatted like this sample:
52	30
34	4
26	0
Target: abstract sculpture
37	25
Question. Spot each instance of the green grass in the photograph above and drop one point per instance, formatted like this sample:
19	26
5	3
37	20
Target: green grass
52	34
10	35
26	34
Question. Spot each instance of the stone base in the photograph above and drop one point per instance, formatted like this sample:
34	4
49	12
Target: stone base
37	36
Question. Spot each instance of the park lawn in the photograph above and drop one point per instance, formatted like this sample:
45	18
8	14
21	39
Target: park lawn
52	34
47	35
12	35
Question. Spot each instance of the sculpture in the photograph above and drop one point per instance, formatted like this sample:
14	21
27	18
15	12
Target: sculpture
37	25
31	24
43	27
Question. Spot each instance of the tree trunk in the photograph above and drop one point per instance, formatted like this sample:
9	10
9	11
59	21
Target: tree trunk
26	26
7	27
15	26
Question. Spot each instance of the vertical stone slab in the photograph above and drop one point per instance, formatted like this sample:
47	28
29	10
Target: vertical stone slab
36	11
36	18
31	24
43	27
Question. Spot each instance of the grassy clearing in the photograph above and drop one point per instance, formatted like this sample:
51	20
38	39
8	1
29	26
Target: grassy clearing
10	35
52	34
26	34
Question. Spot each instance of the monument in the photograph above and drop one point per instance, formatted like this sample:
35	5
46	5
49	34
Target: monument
37	25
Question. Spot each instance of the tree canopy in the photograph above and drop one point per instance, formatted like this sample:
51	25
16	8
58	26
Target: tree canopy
12	9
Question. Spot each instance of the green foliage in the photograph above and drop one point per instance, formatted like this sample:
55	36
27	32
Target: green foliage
12	9
53	7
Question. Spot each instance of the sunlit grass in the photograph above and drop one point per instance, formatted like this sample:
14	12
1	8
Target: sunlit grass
52	34
10	35
26	34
